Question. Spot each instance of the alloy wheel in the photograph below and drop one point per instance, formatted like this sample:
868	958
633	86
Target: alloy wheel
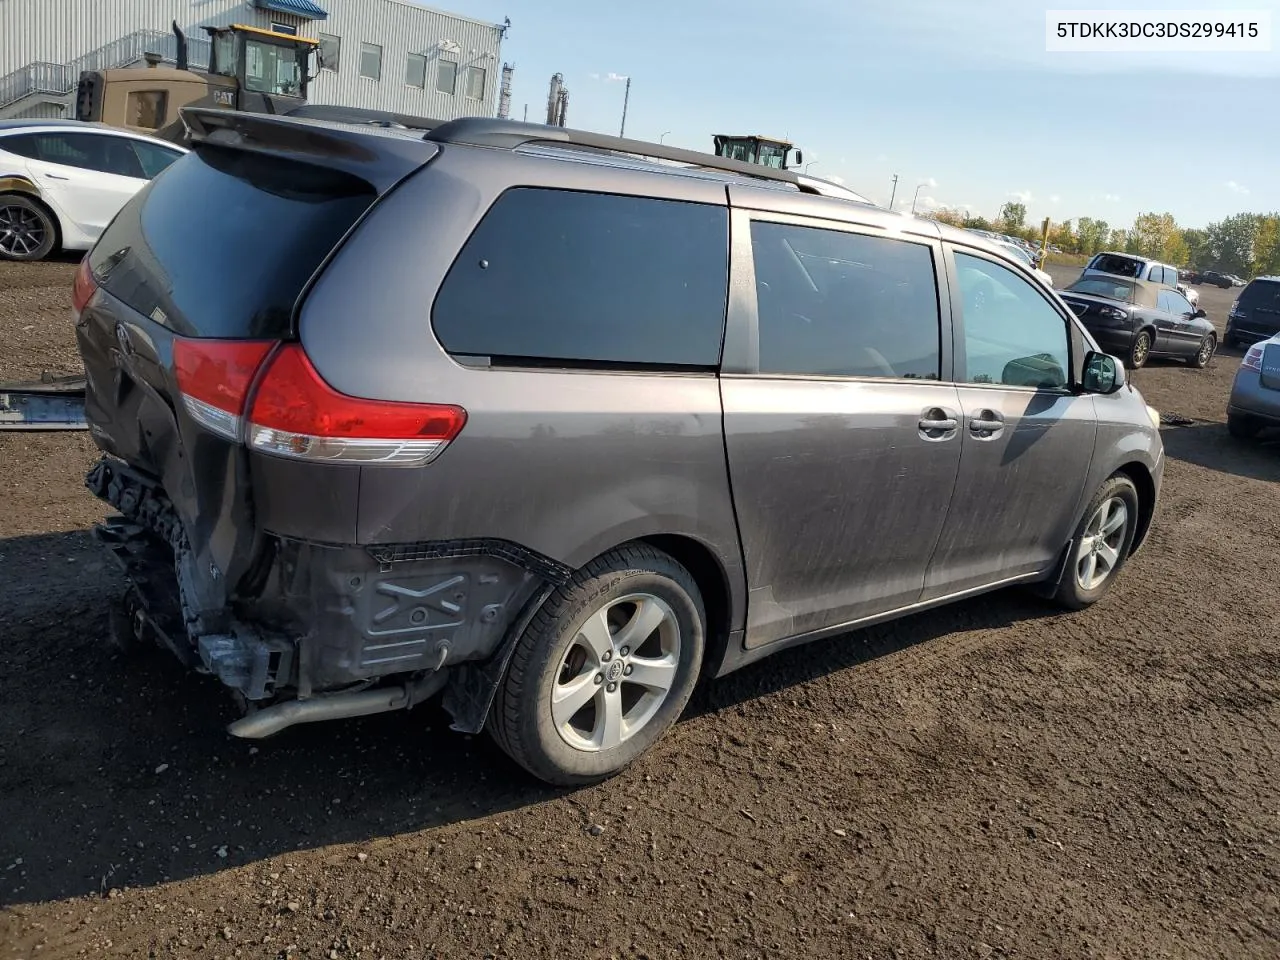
1206	351
1104	536
21	231
617	673
1141	347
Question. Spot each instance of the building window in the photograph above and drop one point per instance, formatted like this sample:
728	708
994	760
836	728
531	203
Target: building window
371	61
284	28
447	77
475	77
330	51
415	71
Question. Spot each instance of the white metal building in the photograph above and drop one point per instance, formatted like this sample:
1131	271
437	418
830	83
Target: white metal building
385	54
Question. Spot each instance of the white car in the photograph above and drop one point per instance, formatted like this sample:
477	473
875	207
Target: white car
1017	251
62	182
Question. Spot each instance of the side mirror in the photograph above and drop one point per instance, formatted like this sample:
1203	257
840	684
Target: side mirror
799	158
1199	312
1103	373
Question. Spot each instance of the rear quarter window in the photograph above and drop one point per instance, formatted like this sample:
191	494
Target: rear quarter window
573	278
224	242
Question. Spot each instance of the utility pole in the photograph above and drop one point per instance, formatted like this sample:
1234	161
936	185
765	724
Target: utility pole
915	198
625	97
526	113
895	191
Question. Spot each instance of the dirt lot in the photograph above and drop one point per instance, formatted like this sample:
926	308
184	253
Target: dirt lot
993	779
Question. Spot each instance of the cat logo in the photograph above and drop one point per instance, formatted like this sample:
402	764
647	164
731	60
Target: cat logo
224	98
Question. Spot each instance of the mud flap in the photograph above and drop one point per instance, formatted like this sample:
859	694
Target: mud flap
1048	588
473	686
51	404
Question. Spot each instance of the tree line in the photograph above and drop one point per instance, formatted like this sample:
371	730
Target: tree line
1247	244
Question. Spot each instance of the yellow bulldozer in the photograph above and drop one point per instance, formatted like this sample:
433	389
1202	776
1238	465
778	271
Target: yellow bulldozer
260	71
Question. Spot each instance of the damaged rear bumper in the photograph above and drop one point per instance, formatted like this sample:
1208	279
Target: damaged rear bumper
318	630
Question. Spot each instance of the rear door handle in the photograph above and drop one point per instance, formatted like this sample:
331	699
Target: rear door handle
986	424
55	176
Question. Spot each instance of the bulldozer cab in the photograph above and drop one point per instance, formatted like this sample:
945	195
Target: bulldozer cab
262	63
766	151
251	69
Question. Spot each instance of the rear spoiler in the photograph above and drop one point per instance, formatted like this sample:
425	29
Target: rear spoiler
360	115
380	157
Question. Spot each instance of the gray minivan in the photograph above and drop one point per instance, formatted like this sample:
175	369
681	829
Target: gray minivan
555	424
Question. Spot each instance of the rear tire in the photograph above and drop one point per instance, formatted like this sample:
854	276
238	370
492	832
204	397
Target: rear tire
604	669
1101	544
27	229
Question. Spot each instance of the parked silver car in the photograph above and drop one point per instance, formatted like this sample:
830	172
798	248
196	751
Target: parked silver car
555	424
1255	393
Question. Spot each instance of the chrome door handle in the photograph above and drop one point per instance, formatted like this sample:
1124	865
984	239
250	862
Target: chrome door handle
946	423
937	424
985	425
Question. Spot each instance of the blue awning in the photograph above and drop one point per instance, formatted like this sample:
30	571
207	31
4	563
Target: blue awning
299	8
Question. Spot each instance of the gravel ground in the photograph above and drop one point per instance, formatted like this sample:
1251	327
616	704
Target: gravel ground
995	779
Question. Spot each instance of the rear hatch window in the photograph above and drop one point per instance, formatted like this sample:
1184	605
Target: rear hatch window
1261	296
222	243
1122	266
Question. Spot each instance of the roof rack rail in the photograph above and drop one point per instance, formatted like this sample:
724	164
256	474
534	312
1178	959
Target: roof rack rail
381	118
485	132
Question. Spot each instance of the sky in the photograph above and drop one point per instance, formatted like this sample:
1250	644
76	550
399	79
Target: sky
958	95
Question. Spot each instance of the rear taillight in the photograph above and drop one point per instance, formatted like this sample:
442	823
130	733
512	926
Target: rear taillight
214	377
1253	357
83	287
1235	310
294	413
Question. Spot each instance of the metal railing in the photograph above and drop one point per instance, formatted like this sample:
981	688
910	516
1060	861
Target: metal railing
60	79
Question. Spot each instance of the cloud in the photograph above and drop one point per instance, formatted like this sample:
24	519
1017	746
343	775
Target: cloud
929	182
1022	196
1055	199
1111	197
616	76
594	76
1235	187
882	158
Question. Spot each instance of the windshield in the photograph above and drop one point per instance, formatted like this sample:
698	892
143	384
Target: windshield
772	155
1100	287
272	69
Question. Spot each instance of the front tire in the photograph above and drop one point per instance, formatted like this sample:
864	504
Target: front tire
1102	543
27	229
1208	346
1140	350
605	668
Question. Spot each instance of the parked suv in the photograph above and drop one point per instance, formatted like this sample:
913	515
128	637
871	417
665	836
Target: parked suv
1256	313
556	423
